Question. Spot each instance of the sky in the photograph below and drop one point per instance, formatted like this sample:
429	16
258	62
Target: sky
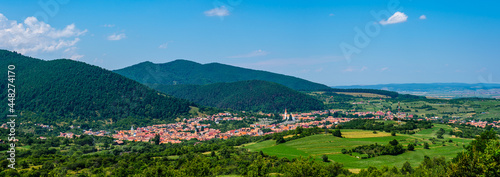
337	42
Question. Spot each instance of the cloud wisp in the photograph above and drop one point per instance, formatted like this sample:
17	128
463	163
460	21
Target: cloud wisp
422	17
117	37
218	11
398	17
33	36
256	53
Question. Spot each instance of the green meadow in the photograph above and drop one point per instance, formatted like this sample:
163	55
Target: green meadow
326	144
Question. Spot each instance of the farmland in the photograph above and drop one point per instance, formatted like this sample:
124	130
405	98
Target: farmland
326	144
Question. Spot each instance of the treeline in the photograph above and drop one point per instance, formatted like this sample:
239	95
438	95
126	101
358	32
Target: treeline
184	72
374	150
369	124
374	91
94	156
251	95
66	90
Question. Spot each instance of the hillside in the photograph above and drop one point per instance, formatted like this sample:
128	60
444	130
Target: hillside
183	72
244	95
66	90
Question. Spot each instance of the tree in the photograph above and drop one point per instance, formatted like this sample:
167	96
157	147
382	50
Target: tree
411	147
480	141
406	169
325	158
337	133
157	139
280	140
393	133
394	142
426	145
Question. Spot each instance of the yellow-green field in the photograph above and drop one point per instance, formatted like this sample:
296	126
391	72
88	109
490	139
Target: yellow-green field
327	144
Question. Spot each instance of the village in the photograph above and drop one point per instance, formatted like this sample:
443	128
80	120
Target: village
189	129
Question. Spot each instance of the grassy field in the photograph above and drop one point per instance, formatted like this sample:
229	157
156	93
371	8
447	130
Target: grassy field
326	144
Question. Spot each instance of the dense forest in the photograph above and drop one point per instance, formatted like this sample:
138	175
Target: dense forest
65	90
184	72
251	95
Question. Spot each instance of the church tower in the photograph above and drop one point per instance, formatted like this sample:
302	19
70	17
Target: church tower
285	117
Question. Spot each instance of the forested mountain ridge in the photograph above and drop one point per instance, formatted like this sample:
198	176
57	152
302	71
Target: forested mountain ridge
184	72
66	90
253	95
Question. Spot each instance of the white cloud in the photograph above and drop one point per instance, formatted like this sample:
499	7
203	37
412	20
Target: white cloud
33	36
116	37
384	69
348	69
422	17
332	15
251	54
76	57
398	17
163	46
109	25
355	69
218	11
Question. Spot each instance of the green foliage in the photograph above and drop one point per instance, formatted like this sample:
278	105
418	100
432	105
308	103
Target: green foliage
373	150
481	158
337	133
325	158
251	95
370	124
280	140
183	72
479	143
411	147
426	145
66	90
306	167
406	169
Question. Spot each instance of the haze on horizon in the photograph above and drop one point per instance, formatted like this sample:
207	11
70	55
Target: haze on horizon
417	42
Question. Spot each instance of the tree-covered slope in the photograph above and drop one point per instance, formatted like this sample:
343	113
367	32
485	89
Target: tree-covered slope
253	95
66	90
192	73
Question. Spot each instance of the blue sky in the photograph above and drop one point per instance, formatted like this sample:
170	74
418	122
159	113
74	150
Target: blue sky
417	42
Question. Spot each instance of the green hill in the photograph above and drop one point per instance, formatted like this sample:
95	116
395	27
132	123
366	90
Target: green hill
183	72
66	90
251	95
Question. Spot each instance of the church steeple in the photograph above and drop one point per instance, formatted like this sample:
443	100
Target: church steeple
285	117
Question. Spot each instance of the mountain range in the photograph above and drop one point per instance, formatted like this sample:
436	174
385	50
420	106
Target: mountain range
64	90
184	72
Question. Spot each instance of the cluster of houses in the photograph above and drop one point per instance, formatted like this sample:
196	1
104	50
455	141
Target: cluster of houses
481	124
194	128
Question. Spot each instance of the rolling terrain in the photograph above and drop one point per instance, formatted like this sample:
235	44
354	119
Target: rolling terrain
184	72
67	90
253	95
326	144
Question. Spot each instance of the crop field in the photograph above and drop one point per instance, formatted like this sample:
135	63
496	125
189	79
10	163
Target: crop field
326	144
